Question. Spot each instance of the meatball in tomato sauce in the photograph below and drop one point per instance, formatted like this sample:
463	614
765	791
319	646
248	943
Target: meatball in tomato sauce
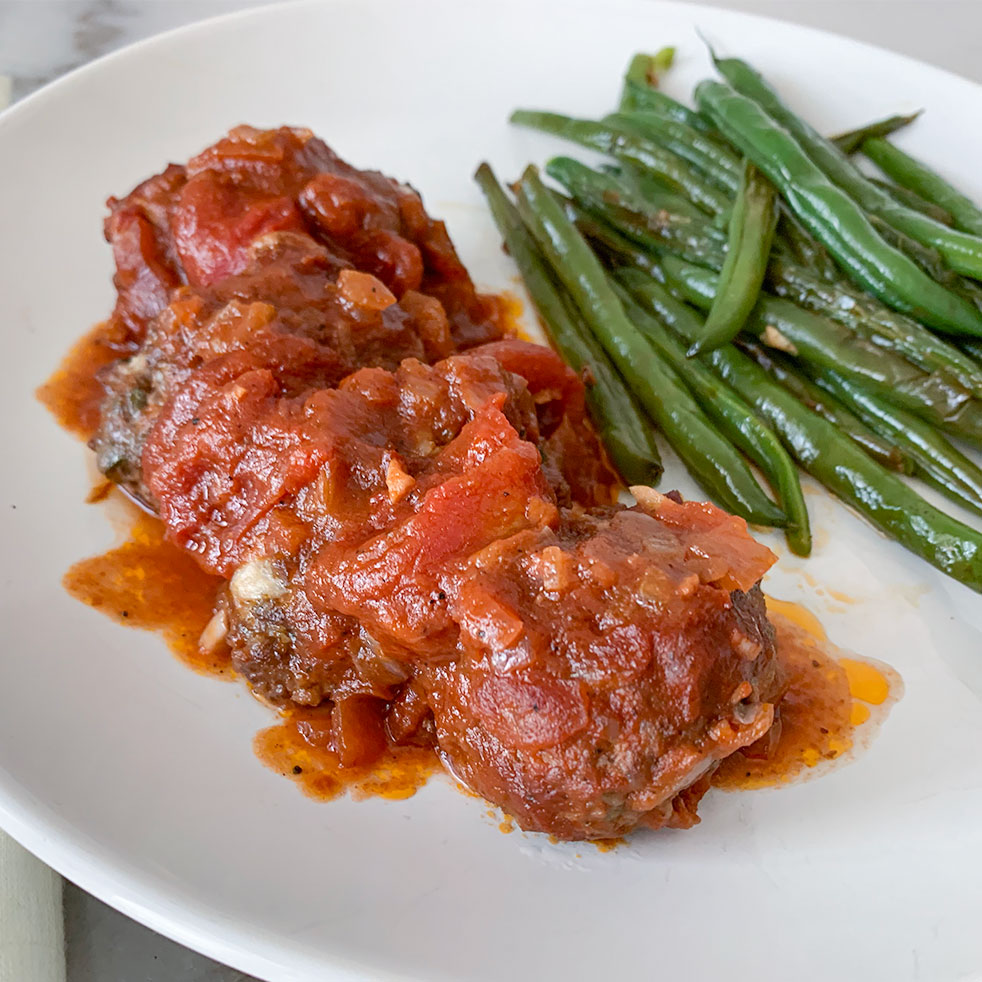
417	526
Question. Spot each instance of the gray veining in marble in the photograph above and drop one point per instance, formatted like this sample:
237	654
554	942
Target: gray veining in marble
43	39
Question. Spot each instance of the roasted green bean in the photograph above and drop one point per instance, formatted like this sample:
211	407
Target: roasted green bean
627	146
913	200
823	343
960	250
711	459
833	217
717	163
919	178
625	431
788	374
949	470
613	200
752	226
732	415
868	318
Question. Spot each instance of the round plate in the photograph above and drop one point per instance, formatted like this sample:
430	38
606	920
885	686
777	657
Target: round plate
135	777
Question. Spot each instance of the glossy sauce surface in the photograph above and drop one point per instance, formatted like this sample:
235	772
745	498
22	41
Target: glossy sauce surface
150	584
828	697
74	393
146	582
299	748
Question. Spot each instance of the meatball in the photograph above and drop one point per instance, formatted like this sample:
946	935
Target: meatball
412	512
603	673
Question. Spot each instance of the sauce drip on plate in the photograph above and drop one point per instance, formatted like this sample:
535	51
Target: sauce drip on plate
74	393
146	582
298	748
828	697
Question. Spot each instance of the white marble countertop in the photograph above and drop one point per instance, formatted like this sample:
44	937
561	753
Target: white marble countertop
42	39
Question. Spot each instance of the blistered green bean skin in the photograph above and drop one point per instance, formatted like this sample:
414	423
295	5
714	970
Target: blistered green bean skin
625	431
616	202
752	225
962	251
833	217
911	173
719	164
834	460
711	459
652	193
868	318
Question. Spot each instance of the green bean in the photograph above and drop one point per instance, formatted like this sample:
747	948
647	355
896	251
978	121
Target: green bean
656	194
786	372
809	253
861	313
833	217
929	260
646	99
851	141
646	71
961	251
718	164
609	244
972	349
647	292
621	425
823	343
613	200
711	459
639	94
736	420
950	471
627	146
864	316
913	200
868	318
910	173
751	234
833	459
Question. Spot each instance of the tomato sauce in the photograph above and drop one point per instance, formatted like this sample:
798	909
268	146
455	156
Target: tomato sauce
401	522
298	748
828	698
74	393
148	583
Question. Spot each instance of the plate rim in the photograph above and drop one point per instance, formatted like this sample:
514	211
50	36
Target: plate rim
91	865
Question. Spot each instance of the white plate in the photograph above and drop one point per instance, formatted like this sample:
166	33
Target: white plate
135	778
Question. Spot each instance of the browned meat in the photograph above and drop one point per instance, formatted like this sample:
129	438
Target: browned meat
413	514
